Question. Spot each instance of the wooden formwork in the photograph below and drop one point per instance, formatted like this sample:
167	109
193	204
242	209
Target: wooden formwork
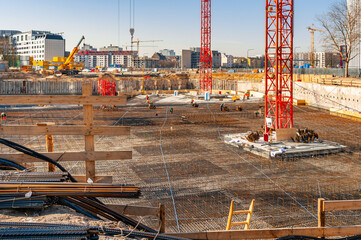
89	156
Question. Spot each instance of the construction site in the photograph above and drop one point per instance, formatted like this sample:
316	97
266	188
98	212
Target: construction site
182	154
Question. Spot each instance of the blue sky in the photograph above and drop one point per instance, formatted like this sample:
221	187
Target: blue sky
238	25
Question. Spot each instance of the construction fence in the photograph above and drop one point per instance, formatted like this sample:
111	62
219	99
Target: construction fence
337	72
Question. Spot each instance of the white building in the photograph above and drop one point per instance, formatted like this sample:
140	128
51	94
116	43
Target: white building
105	59
41	45
167	52
226	61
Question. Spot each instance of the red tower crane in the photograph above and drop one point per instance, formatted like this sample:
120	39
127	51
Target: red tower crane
279	64
205	60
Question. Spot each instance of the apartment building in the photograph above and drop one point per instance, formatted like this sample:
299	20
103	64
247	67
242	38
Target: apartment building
105	59
41	45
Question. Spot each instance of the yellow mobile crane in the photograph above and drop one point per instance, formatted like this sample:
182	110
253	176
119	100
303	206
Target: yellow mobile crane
65	67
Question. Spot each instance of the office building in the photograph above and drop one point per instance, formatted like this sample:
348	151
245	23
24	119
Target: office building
41	45
190	58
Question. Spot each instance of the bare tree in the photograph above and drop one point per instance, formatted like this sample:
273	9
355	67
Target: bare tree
342	29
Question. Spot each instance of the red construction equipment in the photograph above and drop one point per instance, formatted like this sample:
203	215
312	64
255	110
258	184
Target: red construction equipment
279	64
205	60
106	87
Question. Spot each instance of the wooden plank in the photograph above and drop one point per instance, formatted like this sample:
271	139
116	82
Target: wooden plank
230	215
241	212
64	130
49	144
342	205
285	134
238	223
135	210
98	179
272	233
162	217
62	100
249	215
71	156
321	213
89	138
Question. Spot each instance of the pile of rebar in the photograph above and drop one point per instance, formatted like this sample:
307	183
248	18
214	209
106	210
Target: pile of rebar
46	231
79	196
16	176
11	230
69	189
21	201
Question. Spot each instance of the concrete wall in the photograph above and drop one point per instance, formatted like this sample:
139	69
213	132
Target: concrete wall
329	96
320	95
12	87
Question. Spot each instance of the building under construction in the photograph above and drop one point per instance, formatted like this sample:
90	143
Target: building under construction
180	160
191	155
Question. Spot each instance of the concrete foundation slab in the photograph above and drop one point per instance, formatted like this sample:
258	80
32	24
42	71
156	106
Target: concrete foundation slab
283	148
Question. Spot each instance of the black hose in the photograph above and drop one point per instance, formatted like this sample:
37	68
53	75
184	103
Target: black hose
32	153
91	200
7	163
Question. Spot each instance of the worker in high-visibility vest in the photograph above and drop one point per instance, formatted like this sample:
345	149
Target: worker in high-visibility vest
147	97
192	101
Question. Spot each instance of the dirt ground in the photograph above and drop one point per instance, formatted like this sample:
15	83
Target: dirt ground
180	160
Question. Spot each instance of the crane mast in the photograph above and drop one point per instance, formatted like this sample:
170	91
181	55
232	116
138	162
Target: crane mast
312	31
279	65
205	60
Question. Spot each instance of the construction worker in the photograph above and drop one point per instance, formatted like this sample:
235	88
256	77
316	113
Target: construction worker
3	116
222	105
171	110
147	97
192	101
149	102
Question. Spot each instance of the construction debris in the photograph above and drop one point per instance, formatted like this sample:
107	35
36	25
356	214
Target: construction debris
305	136
195	105
151	106
254	136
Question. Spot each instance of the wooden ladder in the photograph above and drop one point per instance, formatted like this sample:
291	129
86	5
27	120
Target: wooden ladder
248	212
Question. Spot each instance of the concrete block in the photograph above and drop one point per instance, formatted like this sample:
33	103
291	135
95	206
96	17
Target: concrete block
286	134
193	93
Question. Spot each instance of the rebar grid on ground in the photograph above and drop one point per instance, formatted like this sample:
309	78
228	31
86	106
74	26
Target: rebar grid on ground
205	176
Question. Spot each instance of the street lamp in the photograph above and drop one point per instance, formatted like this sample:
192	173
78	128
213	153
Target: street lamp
249	51
249	60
